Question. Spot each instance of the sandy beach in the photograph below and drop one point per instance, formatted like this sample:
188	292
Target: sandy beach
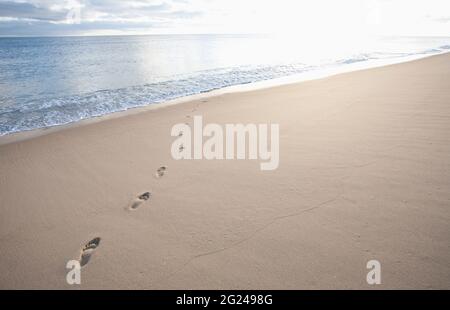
364	175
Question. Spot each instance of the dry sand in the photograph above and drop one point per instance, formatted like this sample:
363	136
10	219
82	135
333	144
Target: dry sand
364	174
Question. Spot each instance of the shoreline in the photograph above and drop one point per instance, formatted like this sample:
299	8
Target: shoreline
316	74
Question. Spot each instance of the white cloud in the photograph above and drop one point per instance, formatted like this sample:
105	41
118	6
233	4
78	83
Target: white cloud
298	17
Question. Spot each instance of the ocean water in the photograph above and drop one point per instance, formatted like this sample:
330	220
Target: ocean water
53	81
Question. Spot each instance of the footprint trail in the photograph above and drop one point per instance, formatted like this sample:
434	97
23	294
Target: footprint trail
88	250
140	200
160	172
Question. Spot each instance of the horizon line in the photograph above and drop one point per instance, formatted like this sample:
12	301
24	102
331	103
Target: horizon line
189	34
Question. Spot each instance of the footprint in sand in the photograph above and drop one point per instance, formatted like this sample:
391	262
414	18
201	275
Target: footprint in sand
140	200
160	172
88	250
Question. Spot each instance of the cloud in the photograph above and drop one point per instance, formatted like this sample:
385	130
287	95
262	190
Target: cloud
442	19
47	17
23	10
393	17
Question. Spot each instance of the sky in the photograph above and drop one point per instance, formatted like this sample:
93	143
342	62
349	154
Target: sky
350	18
